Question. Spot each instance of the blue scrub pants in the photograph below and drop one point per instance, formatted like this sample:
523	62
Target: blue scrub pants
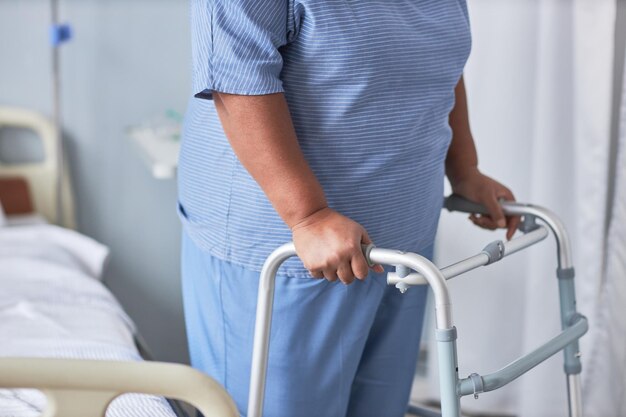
335	350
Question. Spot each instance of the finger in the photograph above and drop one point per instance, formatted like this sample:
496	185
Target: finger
317	274
495	211
484	222
365	239
513	222
360	267
330	275
378	268
345	273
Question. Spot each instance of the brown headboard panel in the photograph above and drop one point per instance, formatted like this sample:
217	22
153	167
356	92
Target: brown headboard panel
15	196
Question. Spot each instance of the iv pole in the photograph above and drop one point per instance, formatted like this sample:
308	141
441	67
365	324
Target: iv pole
59	33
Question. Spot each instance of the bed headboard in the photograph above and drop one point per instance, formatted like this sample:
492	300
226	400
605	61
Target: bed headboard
41	176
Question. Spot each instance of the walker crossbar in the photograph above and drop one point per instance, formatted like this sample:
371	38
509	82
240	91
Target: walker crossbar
524	364
452	388
473	262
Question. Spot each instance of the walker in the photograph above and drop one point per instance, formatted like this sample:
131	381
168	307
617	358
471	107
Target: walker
412	269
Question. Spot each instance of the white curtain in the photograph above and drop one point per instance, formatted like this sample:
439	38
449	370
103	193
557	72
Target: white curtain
540	85
605	379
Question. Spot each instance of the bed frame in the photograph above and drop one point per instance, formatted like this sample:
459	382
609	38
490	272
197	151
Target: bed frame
77	387
85	388
40	176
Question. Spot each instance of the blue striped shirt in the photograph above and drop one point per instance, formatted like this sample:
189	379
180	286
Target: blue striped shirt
369	84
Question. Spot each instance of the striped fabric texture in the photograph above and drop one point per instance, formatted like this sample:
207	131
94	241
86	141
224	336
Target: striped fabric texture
369	84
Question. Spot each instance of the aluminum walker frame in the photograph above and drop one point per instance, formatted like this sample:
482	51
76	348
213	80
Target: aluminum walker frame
412	269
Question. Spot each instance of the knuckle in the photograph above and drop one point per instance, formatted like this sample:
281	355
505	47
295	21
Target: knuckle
333	259
346	274
361	273
329	275
361	269
351	245
347	281
315	273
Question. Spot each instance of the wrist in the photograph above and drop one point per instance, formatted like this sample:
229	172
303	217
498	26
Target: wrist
312	218
460	174
294	203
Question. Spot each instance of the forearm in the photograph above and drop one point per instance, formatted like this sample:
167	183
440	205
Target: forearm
466	179
462	158
261	133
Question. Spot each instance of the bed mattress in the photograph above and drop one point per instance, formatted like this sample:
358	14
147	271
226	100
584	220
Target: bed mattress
53	304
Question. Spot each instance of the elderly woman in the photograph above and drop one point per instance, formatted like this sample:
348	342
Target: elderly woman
330	123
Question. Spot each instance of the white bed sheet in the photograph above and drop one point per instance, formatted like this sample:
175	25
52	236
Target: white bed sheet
52	304
23	219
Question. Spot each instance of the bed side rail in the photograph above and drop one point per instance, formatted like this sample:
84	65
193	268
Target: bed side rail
85	388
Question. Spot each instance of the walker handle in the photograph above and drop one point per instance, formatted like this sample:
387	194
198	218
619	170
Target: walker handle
457	203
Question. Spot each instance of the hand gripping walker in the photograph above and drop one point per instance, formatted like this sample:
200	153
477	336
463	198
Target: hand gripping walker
574	325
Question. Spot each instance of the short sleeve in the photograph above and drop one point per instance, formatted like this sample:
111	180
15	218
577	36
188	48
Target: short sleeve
236	45
463	4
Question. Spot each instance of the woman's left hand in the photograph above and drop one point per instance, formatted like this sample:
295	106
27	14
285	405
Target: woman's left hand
484	190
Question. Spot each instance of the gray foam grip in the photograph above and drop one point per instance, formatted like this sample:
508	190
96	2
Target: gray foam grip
457	203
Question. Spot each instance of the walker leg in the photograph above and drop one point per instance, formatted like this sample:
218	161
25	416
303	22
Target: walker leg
448	372
567	294
572	365
575	396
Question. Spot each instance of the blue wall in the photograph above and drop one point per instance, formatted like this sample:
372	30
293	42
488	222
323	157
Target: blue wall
129	61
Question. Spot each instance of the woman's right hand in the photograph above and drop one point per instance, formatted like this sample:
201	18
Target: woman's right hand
329	245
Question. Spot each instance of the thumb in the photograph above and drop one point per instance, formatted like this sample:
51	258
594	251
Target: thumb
365	239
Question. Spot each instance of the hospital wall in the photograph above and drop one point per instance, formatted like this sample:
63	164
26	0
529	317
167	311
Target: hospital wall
129	61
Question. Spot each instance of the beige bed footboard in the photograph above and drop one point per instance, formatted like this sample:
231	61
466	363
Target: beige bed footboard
85	388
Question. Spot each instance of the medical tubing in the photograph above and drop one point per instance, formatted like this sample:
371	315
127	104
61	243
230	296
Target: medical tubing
265	300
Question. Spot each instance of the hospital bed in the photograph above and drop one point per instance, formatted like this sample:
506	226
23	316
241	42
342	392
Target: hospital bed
63	332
